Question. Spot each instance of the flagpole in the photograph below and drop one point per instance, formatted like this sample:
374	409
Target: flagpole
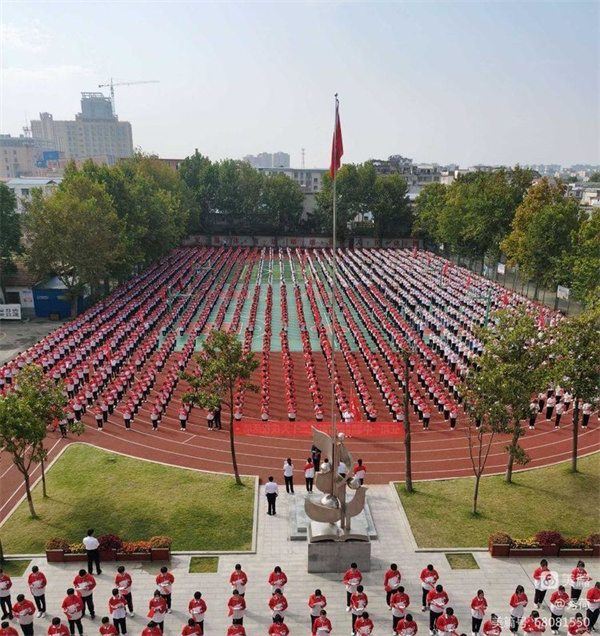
334	459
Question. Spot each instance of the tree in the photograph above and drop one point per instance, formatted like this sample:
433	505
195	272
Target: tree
577	344
514	366
392	211
429	206
223	367
10	233
542	233
281	205
594	177
201	177
582	262
74	234
25	414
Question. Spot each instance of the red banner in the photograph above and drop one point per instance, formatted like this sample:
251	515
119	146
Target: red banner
304	429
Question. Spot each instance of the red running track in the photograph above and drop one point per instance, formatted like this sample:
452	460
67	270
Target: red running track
438	453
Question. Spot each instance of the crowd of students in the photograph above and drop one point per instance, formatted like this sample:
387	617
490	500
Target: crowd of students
574	612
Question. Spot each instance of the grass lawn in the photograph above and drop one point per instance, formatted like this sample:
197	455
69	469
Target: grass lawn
92	488
15	567
462	561
549	498
204	565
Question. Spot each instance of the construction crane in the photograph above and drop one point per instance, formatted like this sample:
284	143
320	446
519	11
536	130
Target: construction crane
112	85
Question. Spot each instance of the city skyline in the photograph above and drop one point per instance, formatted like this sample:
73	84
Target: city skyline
466	83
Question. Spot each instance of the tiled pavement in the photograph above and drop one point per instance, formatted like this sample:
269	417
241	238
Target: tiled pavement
498	577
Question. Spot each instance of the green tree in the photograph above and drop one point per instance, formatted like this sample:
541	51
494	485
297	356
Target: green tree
577	345
514	366
238	195
594	177
392	212
74	234
542	233
201	176
223	367
429	206
25	414
583	260
282	204
10	233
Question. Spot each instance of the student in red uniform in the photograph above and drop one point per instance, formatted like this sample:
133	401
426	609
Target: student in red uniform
237	608
518	602
399	603
533	624
165	581
579	577
577	626
436	600
447	623
7	630
309	474
391	582
278	604
107	628
492	627
407	626
429	577
191	628
157	610
117	606
124	582
277	579
5	602
197	609
558	603
352	578
24	611
152	629
358	604
360	472
37	586
73	608
235	630
364	625
239	579
84	584
278	627
322	626
316	602
593	610
478	607
57	628
541	577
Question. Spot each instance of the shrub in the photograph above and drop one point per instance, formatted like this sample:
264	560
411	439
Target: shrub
76	548
549	537
573	542
530	542
57	543
501	538
110	542
594	539
161	542
131	547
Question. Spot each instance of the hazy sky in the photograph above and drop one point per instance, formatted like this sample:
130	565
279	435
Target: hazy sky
465	82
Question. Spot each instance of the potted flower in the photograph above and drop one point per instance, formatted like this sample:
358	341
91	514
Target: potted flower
160	548
500	544
134	551
594	542
56	548
110	544
550	540
75	553
526	548
575	547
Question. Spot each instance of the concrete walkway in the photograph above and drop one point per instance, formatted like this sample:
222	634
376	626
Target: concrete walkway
498	577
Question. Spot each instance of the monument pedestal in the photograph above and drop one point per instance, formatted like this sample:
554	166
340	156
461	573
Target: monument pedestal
330	555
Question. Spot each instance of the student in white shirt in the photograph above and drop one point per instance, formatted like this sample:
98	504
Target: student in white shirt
271	491
288	476
93	553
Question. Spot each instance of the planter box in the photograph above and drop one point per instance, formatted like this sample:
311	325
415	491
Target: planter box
75	558
161	554
596	550
55	556
500	549
526	552
135	556
108	555
576	552
550	550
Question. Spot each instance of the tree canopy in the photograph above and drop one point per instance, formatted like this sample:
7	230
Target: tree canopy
10	232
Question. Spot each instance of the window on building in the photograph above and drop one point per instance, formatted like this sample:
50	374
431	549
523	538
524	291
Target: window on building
295	175
25	192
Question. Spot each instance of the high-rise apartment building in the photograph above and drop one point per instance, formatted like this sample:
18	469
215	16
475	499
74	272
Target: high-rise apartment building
269	160
24	156
95	131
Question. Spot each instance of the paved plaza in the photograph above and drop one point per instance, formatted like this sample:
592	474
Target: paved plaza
498	577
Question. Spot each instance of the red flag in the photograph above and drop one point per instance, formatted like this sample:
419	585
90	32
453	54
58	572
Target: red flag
337	147
428	258
354	407
542	319
445	270
414	251
468	281
505	298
